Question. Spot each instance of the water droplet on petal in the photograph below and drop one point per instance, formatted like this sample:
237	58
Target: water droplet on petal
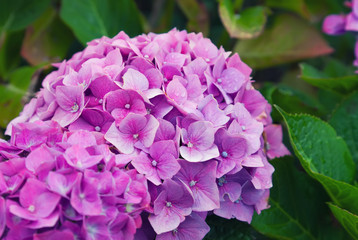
74	108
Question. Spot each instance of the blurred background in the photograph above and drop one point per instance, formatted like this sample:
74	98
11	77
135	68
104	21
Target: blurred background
281	40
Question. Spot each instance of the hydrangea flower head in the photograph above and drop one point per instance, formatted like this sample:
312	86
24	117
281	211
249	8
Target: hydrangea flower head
135	138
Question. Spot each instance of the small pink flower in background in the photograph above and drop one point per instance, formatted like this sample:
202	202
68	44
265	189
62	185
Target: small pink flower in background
136	137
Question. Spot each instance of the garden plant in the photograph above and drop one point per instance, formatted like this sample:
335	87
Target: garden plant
178	119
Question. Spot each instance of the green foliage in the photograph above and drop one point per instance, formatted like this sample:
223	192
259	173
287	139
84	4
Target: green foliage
13	92
17	14
348	220
289	39
324	156
98	18
297	207
338	84
345	122
248	23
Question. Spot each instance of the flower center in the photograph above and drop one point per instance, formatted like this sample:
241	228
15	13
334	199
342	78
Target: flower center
224	154
149	110
219	80
190	144
97	128
75	107
146	56
100	101
82	195
31	208
154	163
192	183
169	204
127	106
221	181
175	231
135	136
243	128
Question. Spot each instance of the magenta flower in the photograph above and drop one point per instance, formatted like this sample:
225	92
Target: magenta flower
200	179
232	150
92	119
274	145
85	198
71	102
139	138
162	163
199	142
171	207
2	215
194	227
121	102
133	130
32	196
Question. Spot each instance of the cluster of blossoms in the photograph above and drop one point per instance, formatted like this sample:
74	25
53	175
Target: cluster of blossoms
339	24
138	138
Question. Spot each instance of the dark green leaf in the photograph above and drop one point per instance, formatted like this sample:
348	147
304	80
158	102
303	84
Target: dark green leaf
47	40
297	207
290	39
348	220
298	6
90	19
345	122
10	52
324	156
224	229
248	23
321	149
12	93
197	15
17	14
341	84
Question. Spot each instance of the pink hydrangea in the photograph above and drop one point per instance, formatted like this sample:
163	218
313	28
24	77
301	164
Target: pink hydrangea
138	137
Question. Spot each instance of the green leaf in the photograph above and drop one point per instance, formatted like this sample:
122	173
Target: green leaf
319	146
47	40
348	220
345	121
12	93
10	52
324	156
90	19
296	210
340	84
225	229
289	39
17	14
298	6
197	15
248	23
